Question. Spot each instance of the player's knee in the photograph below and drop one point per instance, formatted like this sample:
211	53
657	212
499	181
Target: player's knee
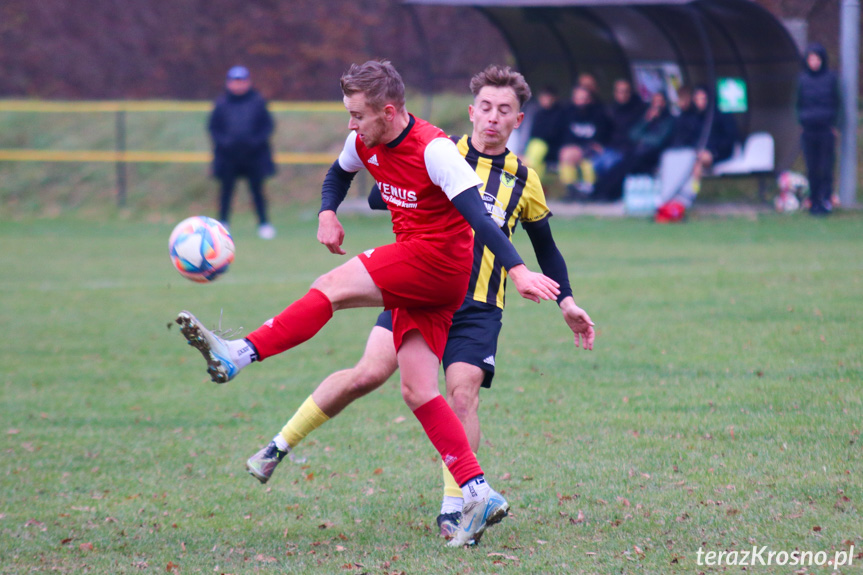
464	401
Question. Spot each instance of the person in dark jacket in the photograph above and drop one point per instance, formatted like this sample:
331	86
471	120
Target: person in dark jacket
720	139
585	133
240	127
625	111
818	112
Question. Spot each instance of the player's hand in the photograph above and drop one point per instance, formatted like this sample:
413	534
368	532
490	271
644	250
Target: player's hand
330	232
579	322
532	285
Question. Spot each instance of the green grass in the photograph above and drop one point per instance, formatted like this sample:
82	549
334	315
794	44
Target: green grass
721	407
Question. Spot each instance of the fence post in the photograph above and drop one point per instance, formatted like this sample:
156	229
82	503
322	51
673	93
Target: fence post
120	147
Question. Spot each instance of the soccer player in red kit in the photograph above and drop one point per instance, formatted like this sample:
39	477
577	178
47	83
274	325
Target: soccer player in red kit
434	202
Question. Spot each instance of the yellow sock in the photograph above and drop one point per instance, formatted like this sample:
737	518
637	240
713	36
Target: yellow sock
588	174
534	156
308	418
568	173
450	487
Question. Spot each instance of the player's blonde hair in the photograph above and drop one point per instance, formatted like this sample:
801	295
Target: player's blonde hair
378	80
501	77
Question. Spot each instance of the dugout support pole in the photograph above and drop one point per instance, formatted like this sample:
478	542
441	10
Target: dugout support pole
120	147
850	58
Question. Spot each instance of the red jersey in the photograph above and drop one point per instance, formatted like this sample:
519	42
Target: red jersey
417	174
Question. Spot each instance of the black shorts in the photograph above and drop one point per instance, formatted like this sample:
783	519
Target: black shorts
472	337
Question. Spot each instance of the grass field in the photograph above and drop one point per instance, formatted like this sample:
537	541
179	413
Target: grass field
721	408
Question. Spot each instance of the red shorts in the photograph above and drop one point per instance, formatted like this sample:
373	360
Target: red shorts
423	293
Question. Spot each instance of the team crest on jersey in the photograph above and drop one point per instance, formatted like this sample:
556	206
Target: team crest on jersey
498	213
507	179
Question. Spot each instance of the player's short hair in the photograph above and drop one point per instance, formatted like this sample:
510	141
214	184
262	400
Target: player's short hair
501	77
378	80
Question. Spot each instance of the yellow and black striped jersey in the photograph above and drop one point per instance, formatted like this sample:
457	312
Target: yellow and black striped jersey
511	192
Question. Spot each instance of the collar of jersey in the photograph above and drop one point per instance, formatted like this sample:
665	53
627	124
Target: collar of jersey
404	133
503	154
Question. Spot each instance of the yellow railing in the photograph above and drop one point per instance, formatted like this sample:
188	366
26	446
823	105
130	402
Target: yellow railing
122	156
151	106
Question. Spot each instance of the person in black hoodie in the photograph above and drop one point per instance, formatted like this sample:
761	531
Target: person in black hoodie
240	127
818	113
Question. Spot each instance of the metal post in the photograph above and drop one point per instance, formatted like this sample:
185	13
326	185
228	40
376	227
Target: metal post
850	58
120	147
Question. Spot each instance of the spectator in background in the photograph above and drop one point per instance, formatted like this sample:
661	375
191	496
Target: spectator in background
543	145
688	131
687	125
240	127
818	112
585	132
646	141
625	111
722	137
587	80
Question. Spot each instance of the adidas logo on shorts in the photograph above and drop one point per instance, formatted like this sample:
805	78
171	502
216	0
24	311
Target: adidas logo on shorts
489	360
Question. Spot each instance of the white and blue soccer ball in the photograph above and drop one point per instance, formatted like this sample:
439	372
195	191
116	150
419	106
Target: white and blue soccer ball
201	249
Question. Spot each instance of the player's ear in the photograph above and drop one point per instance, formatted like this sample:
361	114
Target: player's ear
470	112
519	119
389	112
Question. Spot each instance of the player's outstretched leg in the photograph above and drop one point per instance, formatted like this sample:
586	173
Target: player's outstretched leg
222	355
483	507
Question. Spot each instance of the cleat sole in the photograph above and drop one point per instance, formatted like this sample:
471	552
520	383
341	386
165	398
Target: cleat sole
193	335
255	474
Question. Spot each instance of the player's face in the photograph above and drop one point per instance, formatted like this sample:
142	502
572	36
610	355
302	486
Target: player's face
369	124
495	113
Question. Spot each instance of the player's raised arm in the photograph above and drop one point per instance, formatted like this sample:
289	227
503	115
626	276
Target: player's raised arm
333	192
449	170
551	263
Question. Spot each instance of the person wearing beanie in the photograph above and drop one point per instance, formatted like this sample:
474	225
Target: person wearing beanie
240	127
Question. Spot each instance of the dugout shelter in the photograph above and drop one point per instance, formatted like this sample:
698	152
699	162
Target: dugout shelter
734	46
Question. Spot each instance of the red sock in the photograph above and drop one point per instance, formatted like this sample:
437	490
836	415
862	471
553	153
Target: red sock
447	435
299	322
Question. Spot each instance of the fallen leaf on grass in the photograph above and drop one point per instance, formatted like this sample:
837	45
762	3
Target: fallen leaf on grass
171	567
505	556
399	419
86	546
579	519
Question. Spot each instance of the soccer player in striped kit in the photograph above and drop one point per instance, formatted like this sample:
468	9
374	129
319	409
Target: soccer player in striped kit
434	202
512	193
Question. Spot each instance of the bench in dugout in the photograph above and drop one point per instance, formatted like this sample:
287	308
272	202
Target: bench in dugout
756	157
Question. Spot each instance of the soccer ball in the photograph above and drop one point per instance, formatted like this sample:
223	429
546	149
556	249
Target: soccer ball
793	189
201	248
